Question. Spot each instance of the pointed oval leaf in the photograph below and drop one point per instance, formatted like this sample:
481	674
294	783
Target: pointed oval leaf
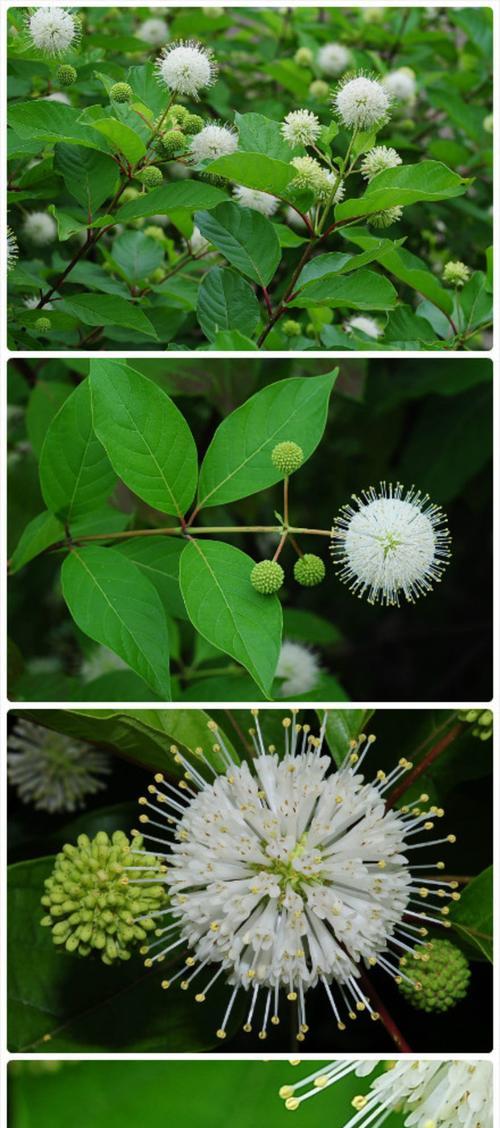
226	301
245	237
399	187
75	474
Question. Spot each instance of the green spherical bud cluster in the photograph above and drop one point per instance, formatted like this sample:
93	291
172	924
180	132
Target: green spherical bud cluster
319	90
151	176
440	981
267	577
121	92
211	178
481	721
66	75
172	143
386	218
310	329
157	275
456	273
155	232
309	570
291	328
287	457
488	123
178	116
303	57
92	901
194	124
43	324
129	194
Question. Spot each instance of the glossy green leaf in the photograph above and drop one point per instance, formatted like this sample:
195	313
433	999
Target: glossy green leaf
52	122
238	460
255	170
190	194
407	267
39	534
158	558
245	237
105	309
363	289
226	301
343	726
137	255
224	607
147	439
121	137
402	186
259	134
45	400
113	602
90	177
75	474
471	917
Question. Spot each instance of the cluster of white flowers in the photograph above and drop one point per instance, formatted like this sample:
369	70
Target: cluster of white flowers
12	249
378	160
310	174
53	30
213	141
401	85
363	324
287	873
40	228
154	31
260	201
186	68
51	771
386	217
301	127
362	102
395	542
333	59
430	1094
299	669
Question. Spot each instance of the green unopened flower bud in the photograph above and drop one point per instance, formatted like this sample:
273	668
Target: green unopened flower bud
310	329
157	275
481	721
267	577
151	176
121	92
287	457
319	90
303	57
456	273
488	123
309	570
291	328
155	232
172	143
129	194
178	115
43	324
66	75
440	974
193	124
95	903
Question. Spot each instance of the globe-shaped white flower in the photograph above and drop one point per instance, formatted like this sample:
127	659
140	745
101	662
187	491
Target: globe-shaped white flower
301	127
299	669
391	543
401	84
429	1094
333	59
362	103
286	873
213	141
51	771
385	218
53	30
260	201
58	96
153	31
186	68
378	160
363	324
12	249
40	228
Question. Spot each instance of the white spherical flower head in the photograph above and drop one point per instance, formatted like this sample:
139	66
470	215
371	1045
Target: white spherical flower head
362	103
186	68
401	85
366	325
40	228
51	771
213	141
299	669
378	160
260	201
12	249
53	30
154	32
391	543
333	59
428	1094
285	873
301	127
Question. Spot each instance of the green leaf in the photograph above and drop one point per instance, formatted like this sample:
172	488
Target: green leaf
259	134
136	254
158	558
238	460
363	289
45	400
121	137
39	534
292	77
407	329
231	340
407	267
306	626
471	917
105	309
112	602
343	726
90	177
226	301
475	303
190	194
459	449
146	437
255	170
225	608
245	237
54	122
75	474
407	184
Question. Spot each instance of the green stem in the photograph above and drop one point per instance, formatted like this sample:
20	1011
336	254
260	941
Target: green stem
178	531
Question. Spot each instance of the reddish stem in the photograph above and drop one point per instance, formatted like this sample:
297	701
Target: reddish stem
385	1018
424	763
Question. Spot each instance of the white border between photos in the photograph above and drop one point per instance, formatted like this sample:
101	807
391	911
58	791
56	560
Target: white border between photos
313	354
